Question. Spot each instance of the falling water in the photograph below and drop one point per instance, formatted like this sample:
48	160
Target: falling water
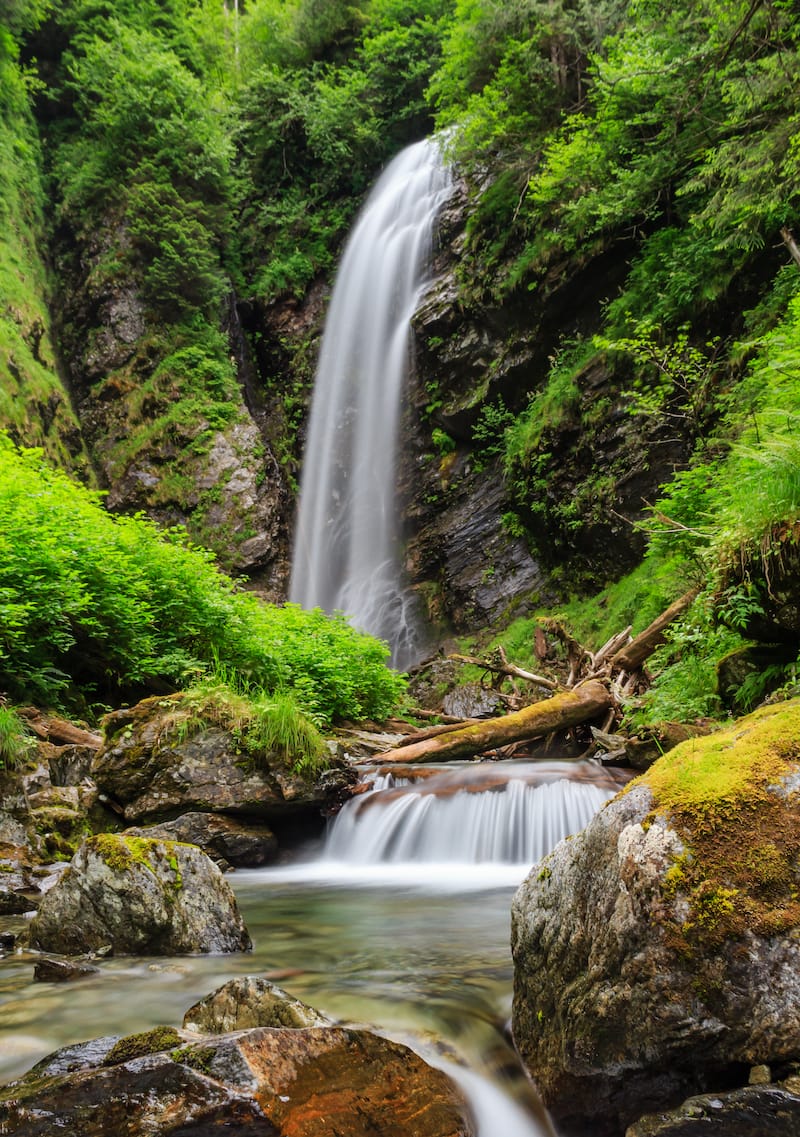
346	549
509	814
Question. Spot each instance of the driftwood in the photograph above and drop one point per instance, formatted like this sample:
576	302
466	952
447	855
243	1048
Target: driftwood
499	665
561	711
596	685
641	647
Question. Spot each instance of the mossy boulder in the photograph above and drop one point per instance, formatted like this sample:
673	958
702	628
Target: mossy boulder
160	760
657	954
255	1083
140	897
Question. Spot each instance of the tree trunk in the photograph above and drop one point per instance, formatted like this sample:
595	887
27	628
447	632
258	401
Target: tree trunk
566	709
642	646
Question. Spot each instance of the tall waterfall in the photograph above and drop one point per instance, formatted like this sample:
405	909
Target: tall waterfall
346	554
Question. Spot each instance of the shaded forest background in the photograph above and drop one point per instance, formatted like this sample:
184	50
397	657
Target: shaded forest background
176	182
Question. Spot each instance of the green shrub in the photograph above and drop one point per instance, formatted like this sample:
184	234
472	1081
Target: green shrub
92	606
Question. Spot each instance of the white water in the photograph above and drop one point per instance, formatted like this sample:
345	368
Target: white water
510	813
346	554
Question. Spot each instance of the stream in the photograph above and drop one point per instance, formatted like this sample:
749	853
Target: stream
413	943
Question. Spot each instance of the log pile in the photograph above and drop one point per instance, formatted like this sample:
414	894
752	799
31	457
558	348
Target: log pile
592	692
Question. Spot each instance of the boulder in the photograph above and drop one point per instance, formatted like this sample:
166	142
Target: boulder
226	840
752	1111
657	953
141	897
256	1083
154	769
247	1002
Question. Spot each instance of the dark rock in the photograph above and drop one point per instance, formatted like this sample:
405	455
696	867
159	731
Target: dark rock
472	701
652	964
225	839
7	941
61	970
753	1111
141	897
745	668
256	1083
13	903
149	769
247	1002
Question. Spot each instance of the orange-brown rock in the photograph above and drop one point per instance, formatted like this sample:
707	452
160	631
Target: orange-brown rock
256	1083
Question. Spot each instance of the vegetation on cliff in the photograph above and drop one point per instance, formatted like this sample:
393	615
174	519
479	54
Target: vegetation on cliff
632	180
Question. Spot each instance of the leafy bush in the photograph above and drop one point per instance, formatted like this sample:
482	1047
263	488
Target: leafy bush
93	606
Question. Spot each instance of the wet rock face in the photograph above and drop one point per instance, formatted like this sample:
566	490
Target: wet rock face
586	481
256	1083
632	992
142	898
152	772
753	1111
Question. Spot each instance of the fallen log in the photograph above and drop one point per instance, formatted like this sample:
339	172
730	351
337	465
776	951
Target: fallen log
563	710
642	646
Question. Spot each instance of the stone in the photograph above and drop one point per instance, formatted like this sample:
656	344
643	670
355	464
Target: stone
472	701
250	1001
152	772
748	1112
654	961
255	1083
62	970
142	898
227	840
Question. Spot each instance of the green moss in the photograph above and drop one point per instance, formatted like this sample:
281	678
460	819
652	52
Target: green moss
121	853
138	1045
723	794
197	1057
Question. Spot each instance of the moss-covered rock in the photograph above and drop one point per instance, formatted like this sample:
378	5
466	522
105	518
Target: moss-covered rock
139	896
161	759
657	953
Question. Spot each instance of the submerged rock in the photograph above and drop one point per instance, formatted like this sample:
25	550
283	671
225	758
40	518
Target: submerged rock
255	1083
657	954
141	897
248	1002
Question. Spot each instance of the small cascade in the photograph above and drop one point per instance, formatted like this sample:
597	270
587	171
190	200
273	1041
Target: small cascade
346	547
505	813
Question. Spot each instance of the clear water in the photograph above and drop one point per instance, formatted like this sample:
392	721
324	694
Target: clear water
346	554
417	948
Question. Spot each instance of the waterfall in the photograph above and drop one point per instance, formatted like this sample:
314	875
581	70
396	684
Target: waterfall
346	553
509	813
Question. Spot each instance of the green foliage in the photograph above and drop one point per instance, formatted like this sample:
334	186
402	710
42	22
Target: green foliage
15	739
92	606
265	725
316	122
148	140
